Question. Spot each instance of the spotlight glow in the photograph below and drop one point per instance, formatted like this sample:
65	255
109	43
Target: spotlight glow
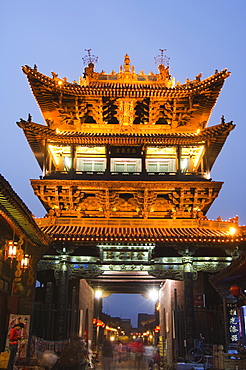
232	230
98	294
153	295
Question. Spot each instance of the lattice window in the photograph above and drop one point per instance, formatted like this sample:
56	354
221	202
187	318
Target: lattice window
125	165
91	165
154	165
88	166
119	167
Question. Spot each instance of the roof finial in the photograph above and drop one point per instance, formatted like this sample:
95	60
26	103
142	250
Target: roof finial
89	58
162	58
127	63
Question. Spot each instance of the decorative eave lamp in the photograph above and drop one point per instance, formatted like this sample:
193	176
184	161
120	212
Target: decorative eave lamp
13	251
235	290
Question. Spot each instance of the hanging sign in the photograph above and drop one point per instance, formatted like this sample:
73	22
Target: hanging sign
126	254
124	151
233	322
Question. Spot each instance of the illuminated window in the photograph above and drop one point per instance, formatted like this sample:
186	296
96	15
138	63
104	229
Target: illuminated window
161	159
67	163
125	165
90	164
154	165
85	158
191	158
61	156
90	159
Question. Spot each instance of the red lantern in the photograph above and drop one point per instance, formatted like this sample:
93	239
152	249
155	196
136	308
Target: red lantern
235	290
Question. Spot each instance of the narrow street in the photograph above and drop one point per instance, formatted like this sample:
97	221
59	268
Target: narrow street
124	365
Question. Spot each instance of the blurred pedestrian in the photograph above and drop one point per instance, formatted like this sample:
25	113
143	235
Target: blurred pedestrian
14	336
148	354
74	355
49	360
119	350
107	355
155	362
139	353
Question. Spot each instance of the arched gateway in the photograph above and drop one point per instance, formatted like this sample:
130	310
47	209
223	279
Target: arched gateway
126	160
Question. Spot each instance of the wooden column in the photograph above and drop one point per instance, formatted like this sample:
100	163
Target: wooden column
49	293
178	170
206	169
73	166
61	323
107	160
144	159
188	300
74	327
45	158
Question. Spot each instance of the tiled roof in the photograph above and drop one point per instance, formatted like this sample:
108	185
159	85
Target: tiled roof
16	212
117	88
42	131
235	270
234	274
86	106
170	235
36	135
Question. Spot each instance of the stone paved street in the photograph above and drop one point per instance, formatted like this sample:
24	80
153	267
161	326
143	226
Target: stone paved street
124	365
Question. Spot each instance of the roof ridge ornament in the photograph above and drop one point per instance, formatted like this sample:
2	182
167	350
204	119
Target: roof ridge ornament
127	63
89	58
90	61
162	59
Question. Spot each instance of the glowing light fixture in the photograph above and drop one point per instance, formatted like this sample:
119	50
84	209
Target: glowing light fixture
232	230
153	294
11	250
25	262
98	294
235	290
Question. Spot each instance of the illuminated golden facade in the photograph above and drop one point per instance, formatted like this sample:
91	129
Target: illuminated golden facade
126	160
126	144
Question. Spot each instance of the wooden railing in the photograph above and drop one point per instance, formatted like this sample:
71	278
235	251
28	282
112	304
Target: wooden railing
228	361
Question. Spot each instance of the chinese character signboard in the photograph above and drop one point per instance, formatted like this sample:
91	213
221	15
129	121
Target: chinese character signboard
233	323
124	151
127	254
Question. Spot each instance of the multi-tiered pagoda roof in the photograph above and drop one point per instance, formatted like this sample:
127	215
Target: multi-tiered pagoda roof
129	119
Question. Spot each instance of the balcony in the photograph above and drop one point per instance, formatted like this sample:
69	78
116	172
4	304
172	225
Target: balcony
127	176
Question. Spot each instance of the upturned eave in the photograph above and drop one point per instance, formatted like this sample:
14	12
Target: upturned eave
49	92
37	135
16	213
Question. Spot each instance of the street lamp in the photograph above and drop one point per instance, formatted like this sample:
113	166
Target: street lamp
153	294
98	294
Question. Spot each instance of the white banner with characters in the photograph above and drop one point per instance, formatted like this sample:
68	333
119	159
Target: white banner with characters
15	319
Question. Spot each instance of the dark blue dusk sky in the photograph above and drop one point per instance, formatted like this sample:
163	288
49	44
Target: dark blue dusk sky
199	36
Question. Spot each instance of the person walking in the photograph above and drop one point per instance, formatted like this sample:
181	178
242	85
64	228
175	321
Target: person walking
74	355
107	355
148	355
120	350
14	336
139	353
155	362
